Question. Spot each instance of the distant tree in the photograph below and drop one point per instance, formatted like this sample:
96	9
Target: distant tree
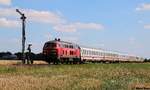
1	54
19	55
8	53
34	56
146	60
5	53
39	56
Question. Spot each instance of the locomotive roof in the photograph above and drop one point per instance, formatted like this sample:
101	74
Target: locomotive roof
64	42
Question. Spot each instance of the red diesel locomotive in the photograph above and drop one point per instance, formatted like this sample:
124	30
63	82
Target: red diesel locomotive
59	51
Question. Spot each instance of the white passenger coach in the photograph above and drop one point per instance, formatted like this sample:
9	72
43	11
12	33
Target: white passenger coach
100	55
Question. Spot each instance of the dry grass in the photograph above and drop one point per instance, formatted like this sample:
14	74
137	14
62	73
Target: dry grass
141	86
9	62
15	62
31	83
75	77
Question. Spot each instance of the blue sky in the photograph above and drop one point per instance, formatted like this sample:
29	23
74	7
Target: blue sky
118	25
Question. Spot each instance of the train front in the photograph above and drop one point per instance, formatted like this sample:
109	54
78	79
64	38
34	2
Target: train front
50	51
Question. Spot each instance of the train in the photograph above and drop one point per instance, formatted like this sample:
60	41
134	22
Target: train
57	51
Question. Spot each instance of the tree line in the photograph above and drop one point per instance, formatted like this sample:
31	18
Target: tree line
18	56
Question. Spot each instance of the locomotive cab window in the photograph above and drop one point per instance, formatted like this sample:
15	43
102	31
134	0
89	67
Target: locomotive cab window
50	45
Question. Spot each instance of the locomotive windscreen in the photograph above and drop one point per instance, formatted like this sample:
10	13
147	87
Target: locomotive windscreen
50	45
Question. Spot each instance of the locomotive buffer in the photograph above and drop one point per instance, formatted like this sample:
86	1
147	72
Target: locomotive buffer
23	18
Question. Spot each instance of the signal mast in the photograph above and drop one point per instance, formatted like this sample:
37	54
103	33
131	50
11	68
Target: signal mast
23	18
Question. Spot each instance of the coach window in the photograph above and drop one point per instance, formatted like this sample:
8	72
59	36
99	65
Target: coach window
65	46
82	52
85	52
96	53
69	46
89	52
104	54
101	54
93	52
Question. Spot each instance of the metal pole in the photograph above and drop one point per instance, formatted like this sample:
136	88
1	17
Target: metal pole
23	18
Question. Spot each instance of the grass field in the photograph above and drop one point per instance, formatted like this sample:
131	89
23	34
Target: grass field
122	76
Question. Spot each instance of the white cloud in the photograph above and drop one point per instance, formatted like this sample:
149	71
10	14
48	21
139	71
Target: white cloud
8	12
54	19
65	28
147	26
74	26
8	23
43	16
33	15
144	7
89	26
5	2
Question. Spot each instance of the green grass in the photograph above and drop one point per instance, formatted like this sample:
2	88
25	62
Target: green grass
122	76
